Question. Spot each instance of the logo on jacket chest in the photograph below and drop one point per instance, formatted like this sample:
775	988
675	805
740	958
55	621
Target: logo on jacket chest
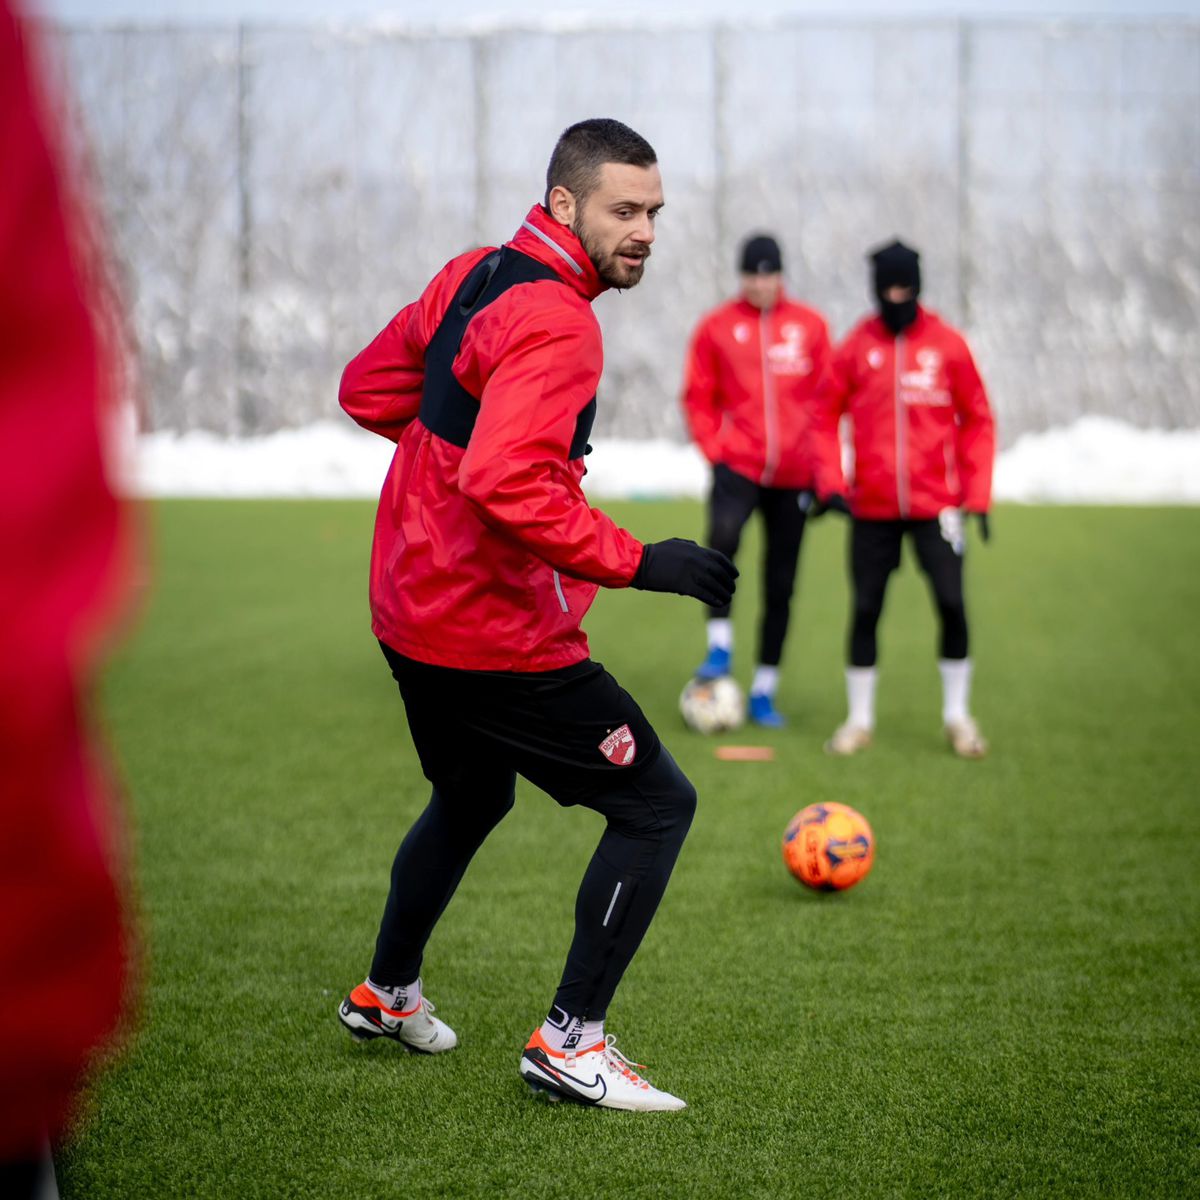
789	356
926	383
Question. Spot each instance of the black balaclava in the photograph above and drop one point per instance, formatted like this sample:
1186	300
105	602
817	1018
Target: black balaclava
895	265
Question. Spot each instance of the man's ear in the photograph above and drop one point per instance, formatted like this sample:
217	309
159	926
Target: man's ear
562	205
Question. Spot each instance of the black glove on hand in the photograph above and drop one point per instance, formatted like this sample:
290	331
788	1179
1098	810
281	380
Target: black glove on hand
680	566
835	503
985	530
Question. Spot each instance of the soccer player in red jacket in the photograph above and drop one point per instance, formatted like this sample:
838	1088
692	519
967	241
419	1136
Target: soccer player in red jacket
755	373
924	444
486	557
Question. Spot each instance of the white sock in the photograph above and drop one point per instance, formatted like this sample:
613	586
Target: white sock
860	696
399	999
720	634
956	688
563	1032
766	679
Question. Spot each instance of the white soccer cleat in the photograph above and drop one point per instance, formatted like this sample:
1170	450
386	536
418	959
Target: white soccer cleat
601	1077
965	738
366	1016
848	739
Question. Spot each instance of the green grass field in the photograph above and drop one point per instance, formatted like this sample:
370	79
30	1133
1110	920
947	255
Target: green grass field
1007	1006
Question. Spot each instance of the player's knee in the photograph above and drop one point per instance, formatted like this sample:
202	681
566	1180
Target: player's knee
953	615
665	805
954	632
780	586
866	614
682	808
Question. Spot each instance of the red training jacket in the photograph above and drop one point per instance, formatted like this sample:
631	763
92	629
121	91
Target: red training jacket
63	549
924	438
488	558
754	381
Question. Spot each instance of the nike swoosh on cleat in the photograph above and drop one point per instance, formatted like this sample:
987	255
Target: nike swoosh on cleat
362	1020
592	1092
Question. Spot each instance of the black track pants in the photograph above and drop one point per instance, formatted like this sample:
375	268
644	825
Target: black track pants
732	501
475	731
875	554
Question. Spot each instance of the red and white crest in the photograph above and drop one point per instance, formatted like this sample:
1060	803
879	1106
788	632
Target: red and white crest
619	747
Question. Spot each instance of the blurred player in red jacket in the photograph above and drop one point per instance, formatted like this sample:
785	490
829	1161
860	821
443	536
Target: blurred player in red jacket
62	935
754	378
924	444
486	557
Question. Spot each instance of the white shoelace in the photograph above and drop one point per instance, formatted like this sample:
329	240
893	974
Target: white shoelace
619	1062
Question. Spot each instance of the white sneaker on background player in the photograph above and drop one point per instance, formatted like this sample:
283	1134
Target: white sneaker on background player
847	739
599	1077
965	739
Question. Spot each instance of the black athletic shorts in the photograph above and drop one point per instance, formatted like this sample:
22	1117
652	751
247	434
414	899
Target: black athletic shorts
574	732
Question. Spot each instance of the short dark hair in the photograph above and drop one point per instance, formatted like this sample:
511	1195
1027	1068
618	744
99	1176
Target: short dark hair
585	147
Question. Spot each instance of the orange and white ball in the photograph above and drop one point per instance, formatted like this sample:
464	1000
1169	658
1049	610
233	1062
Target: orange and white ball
828	847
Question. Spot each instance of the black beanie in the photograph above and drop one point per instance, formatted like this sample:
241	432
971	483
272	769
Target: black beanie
896	265
761	256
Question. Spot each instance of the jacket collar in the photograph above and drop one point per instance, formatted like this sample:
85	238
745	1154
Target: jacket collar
746	309
555	246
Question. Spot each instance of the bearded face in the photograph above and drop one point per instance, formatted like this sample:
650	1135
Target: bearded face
615	222
619	266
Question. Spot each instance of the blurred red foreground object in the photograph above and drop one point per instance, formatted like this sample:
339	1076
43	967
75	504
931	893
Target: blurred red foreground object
63	940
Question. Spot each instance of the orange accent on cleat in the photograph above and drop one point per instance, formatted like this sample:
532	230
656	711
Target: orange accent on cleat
537	1042
366	996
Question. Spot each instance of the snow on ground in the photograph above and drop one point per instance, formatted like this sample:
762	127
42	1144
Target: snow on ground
1095	461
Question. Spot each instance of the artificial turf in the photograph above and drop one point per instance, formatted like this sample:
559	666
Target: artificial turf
1007	1006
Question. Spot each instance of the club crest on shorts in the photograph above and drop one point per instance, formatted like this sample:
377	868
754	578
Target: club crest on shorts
619	747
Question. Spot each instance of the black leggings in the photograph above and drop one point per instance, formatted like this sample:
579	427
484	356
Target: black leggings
473	762
875	554
731	504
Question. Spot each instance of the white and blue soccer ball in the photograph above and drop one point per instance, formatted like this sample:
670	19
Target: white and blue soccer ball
713	705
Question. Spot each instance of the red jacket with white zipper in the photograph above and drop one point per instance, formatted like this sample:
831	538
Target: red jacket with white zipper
924	438
487	558
753	382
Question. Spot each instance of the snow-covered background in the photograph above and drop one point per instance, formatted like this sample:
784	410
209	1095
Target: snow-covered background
277	192
1097	460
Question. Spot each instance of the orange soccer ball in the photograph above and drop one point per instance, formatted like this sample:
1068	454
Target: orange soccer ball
828	846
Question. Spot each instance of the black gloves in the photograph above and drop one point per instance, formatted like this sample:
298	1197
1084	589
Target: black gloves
985	530
814	506
680	566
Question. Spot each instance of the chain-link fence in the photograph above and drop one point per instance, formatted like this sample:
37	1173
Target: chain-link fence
276	194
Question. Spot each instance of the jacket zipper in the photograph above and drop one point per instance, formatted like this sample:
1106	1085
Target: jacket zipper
770	415
901	435
562	600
